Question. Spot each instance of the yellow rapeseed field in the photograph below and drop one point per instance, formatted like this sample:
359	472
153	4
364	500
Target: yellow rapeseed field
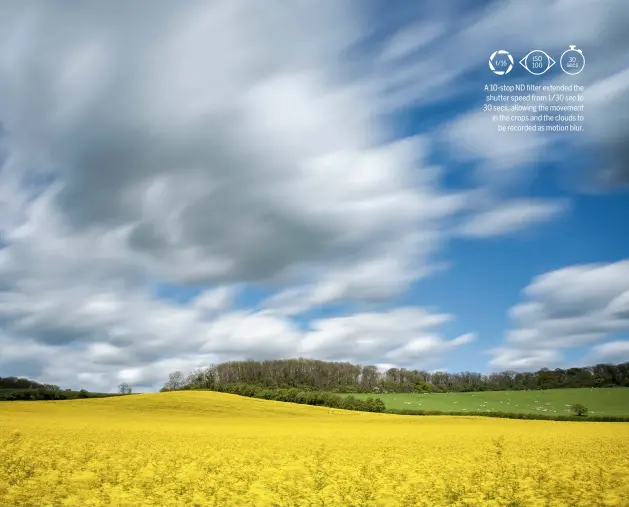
203	448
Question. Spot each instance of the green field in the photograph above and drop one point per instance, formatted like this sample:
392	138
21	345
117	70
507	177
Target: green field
603	401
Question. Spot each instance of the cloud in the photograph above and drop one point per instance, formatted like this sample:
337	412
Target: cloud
501	157
80	337
369	282
214	300
411	39
608	97
570	307
76	310
507	358
239	168
404	336
511	217
215	145
615	351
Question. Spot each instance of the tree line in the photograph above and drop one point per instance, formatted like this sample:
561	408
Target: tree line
23	383
294	395
342	377
44	393
577	417
23	389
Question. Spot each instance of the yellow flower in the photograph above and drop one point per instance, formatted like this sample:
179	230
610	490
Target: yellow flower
198	449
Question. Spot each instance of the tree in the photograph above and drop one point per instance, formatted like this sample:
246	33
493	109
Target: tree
124	388
83	393
176	380
310	374
579	409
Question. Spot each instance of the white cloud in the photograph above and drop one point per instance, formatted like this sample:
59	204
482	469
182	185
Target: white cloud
503	157
372	281
570	307
249	164
511	217
75	336
214	144
609	97
411	39
523	359
615	351
404	336
214	300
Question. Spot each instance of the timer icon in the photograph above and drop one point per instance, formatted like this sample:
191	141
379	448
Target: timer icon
572	61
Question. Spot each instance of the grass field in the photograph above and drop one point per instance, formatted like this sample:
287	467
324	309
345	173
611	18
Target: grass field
606	401
198	449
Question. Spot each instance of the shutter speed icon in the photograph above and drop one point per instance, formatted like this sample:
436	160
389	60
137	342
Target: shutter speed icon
537	62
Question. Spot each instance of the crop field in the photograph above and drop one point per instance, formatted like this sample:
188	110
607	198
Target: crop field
605	401
213	449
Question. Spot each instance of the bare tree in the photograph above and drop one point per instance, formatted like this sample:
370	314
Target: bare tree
124	388
176	380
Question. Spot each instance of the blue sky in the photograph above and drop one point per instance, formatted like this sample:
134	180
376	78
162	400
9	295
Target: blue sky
237	180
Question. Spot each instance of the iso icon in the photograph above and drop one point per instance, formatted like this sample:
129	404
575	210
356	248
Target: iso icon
501	62
537	62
